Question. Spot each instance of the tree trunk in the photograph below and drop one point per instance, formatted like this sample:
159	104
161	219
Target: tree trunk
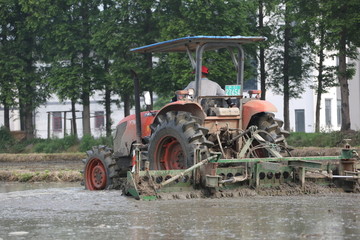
108	111
286	72
29	125
86	113
320	81
22	114
86	68
73	114
6	115
108	121
262	53
343	81
28	101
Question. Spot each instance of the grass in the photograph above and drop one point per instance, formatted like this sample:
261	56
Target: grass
71	144
58	145
332	139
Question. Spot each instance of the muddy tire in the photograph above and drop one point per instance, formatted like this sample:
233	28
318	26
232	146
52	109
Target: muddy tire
271	130
100	171
174	137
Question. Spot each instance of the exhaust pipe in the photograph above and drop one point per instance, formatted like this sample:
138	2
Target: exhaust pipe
137	105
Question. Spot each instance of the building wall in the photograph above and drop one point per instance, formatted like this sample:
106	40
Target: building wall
333	97
333	123
54	105
304	103
14	119
307	102
354	96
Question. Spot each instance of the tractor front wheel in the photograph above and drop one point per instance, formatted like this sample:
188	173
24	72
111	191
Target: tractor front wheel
100	169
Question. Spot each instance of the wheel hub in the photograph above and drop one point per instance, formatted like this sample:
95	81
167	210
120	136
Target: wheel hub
98	176
171	154
95	175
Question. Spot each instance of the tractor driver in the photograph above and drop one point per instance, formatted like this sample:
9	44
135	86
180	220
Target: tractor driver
209	88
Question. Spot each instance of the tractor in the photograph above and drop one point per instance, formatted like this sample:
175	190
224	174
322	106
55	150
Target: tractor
201	141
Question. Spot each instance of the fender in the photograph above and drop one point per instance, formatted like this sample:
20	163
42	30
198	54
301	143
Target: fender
192	107
253	107
125	133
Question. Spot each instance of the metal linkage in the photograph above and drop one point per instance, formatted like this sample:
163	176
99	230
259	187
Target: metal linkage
277	159
197	165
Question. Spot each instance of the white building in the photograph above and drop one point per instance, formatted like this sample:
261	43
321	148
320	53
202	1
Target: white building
354	98
53	119
302	110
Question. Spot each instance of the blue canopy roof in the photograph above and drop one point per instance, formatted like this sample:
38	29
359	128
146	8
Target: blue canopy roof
182	44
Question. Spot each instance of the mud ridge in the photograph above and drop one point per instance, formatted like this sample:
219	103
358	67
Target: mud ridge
40	176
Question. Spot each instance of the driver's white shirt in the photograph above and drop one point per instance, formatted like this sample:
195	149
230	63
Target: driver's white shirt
208	88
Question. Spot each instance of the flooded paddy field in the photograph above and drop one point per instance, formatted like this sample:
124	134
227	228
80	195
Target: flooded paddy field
67	211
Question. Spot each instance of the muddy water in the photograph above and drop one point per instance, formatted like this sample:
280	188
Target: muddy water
63	212
15	186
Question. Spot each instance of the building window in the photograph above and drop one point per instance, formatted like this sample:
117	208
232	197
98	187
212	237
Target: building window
299	120
328	112
57	122
99	119
339	120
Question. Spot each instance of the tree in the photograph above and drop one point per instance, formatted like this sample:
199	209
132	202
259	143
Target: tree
7	63
343	23
21	49
103	44
69	51
290	63
265	9
313	31
128	24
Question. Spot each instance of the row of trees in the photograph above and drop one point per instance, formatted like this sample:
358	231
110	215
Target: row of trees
74	47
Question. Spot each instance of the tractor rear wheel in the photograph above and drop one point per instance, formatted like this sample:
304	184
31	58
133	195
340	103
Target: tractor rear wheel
100	170
174	137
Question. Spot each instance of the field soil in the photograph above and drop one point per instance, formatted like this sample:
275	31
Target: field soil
67	166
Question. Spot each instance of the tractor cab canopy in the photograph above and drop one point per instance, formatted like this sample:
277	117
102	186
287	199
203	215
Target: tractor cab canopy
199	44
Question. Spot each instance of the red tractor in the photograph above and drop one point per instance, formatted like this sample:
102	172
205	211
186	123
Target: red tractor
168	137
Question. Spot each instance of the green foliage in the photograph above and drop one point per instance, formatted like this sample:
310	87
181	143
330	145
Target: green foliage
333	139
73	47
213	18
162	101
25	177
58	145
21	45
6	139
87	142
55	145
290	60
